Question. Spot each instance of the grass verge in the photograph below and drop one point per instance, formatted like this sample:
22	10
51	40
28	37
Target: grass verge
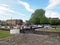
54	29
4	34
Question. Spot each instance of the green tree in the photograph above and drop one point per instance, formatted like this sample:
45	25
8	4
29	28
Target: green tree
35	17
38	13
44	20
35	20
58	21
38	17
54	21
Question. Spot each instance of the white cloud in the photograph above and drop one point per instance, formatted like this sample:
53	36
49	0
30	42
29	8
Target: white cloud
53	3
52	14
4	10
5	5
7	13
27	6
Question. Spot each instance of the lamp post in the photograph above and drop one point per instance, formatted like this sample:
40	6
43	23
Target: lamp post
11	24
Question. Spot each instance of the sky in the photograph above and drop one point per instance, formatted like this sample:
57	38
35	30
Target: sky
23	9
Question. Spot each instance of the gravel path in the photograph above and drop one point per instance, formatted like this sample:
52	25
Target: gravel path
31	39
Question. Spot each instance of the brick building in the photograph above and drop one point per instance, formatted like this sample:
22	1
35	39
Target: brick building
14	22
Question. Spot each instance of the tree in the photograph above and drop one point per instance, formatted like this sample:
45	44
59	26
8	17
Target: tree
54	21
35	20
44	20
3	23
35	17
58	21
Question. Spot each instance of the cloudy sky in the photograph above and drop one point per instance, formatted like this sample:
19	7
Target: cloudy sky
22	9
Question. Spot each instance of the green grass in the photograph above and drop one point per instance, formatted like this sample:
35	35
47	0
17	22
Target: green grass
56	30
4	34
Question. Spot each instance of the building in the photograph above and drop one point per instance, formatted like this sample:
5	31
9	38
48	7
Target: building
16	23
